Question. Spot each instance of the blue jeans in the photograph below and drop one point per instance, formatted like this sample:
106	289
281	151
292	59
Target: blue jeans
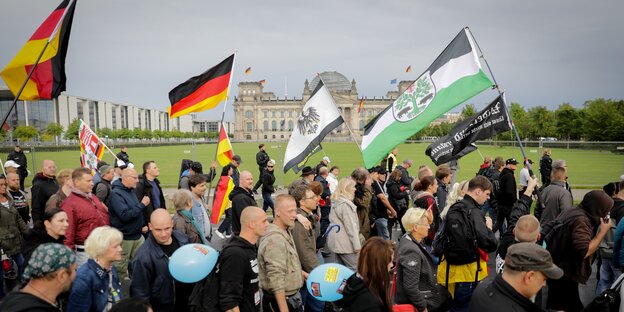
309	302
608	275
463	293
381	224
267	201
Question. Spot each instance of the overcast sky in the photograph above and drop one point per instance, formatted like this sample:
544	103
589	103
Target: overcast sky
134	52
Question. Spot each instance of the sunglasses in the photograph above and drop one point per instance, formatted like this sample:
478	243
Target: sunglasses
269	166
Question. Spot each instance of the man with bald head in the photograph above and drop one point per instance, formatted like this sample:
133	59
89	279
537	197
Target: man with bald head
126	214
151	279
44	185
239	289
241	197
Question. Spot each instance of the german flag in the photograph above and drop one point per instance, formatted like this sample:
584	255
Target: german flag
224	148
361	105
201	92
48	78
248	71
221	198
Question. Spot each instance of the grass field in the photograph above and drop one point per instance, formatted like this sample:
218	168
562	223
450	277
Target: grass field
587	168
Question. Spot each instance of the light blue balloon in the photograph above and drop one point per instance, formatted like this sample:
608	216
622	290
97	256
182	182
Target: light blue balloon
327	281
192	262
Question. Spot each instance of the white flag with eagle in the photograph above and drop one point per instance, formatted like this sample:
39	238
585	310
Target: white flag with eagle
319	117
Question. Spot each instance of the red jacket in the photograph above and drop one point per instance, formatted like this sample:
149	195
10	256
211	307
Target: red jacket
83	215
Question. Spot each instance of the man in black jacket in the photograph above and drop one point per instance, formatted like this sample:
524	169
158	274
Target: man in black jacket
241	197
17	155
527	266
262	159
150	186
508	193
239	288
44	185
123	156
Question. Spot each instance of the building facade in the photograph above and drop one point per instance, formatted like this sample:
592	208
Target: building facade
97	114
261	116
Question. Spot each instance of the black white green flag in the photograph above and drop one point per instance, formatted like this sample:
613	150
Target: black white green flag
319	117
454	77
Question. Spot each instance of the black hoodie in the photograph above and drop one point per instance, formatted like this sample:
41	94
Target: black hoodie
241	198
357	297
238	274
18	301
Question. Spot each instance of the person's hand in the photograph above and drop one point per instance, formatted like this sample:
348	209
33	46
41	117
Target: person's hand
144	229
488	222
213	165
531	185
304	221
357	251
145	201
305	275
605	225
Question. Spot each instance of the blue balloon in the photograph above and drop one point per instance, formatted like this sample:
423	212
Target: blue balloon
327	281
192	262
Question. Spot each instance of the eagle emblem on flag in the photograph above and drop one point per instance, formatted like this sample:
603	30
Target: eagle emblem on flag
415	99
308	121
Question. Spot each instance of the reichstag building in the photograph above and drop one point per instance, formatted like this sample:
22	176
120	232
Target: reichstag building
261	116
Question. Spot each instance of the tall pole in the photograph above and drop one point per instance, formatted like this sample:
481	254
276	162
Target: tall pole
32	70
227	97
344	120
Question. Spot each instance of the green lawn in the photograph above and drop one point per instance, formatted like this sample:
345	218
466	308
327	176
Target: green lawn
586	167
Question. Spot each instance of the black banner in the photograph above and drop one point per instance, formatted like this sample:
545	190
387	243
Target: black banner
485	124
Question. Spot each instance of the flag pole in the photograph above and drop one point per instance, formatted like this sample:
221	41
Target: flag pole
32	70
513	125
99	140
227	97
345	121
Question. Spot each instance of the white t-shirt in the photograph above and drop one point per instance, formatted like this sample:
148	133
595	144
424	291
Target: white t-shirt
524	177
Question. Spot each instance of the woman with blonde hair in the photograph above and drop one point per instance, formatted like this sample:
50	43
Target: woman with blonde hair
64	178
456	194
97	286
415	271
345	241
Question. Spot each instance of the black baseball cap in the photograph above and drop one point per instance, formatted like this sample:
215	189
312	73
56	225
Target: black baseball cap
197	167
511	161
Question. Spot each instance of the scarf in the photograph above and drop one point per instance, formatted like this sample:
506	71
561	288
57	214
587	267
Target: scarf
188	214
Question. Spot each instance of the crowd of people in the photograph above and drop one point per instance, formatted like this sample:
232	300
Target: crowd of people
84	235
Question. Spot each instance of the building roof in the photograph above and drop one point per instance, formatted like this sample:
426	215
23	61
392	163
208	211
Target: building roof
334	80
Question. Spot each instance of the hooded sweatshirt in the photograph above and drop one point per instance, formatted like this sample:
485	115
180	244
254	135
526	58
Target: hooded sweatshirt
280	269
18	301
241	198
239	284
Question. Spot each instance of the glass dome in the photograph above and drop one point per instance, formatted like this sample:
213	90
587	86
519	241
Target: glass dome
334	80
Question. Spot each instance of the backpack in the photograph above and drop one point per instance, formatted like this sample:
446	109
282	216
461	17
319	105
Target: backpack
607	301
108	193
185	165
205	294
457	240
606	245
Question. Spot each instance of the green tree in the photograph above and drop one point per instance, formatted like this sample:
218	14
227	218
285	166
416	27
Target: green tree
468	111
54	129
72	130
147	134
520	119
567	122
541	122
603	120
25	133
104	132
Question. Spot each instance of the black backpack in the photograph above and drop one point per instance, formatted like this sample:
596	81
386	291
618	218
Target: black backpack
205	294
457	240
607	301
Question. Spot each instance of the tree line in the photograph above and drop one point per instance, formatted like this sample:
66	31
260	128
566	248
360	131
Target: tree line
598	120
